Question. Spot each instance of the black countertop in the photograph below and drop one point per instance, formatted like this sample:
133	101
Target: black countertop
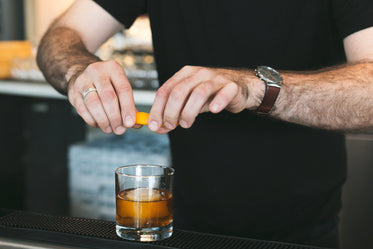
20	229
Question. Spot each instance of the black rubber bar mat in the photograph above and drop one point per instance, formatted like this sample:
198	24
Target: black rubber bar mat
90	233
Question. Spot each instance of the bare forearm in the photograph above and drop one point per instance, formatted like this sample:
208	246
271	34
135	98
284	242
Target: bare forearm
61	56
336	98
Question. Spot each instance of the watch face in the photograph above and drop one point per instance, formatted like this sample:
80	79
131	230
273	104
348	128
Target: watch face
269	75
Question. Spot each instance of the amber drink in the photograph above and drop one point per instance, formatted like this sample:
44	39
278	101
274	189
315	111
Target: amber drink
144	202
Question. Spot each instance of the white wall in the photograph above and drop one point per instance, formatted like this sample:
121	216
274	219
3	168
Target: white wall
39	15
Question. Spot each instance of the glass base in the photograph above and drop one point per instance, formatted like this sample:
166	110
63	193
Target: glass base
144	234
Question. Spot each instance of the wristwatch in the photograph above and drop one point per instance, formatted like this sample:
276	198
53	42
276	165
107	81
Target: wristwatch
273	81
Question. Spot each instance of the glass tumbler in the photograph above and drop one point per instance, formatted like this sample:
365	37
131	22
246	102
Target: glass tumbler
144	202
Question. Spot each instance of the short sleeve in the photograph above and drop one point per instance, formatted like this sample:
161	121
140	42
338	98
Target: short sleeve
352	15
125	11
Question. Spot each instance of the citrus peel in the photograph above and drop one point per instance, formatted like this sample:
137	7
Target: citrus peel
142	118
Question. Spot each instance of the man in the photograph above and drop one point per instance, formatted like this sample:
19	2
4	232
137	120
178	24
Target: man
239	171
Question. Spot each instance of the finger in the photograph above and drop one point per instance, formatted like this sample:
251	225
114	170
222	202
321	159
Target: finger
124	93
176	101
95	108
98	72
84	113
223	98
163	130
76	100
109	101
171	97
183	73
156	112
160	100
198	99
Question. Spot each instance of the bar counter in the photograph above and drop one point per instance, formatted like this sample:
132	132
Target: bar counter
19	229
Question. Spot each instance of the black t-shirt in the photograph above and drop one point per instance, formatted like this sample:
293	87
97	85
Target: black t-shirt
243	174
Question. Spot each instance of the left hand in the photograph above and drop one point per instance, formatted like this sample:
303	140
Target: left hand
194	90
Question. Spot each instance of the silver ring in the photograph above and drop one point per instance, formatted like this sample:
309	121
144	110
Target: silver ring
85	92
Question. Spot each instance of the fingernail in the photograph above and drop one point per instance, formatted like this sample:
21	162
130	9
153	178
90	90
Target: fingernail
129	121
168	125
108	130
183	124
120	129
215	108
153	126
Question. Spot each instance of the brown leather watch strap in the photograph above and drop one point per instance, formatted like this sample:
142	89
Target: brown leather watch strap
269	99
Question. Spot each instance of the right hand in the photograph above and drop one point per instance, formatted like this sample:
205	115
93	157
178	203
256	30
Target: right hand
111	107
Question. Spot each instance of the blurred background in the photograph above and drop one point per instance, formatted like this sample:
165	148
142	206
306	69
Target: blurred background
51	162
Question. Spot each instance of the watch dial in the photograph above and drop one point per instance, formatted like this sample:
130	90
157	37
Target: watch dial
269	74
